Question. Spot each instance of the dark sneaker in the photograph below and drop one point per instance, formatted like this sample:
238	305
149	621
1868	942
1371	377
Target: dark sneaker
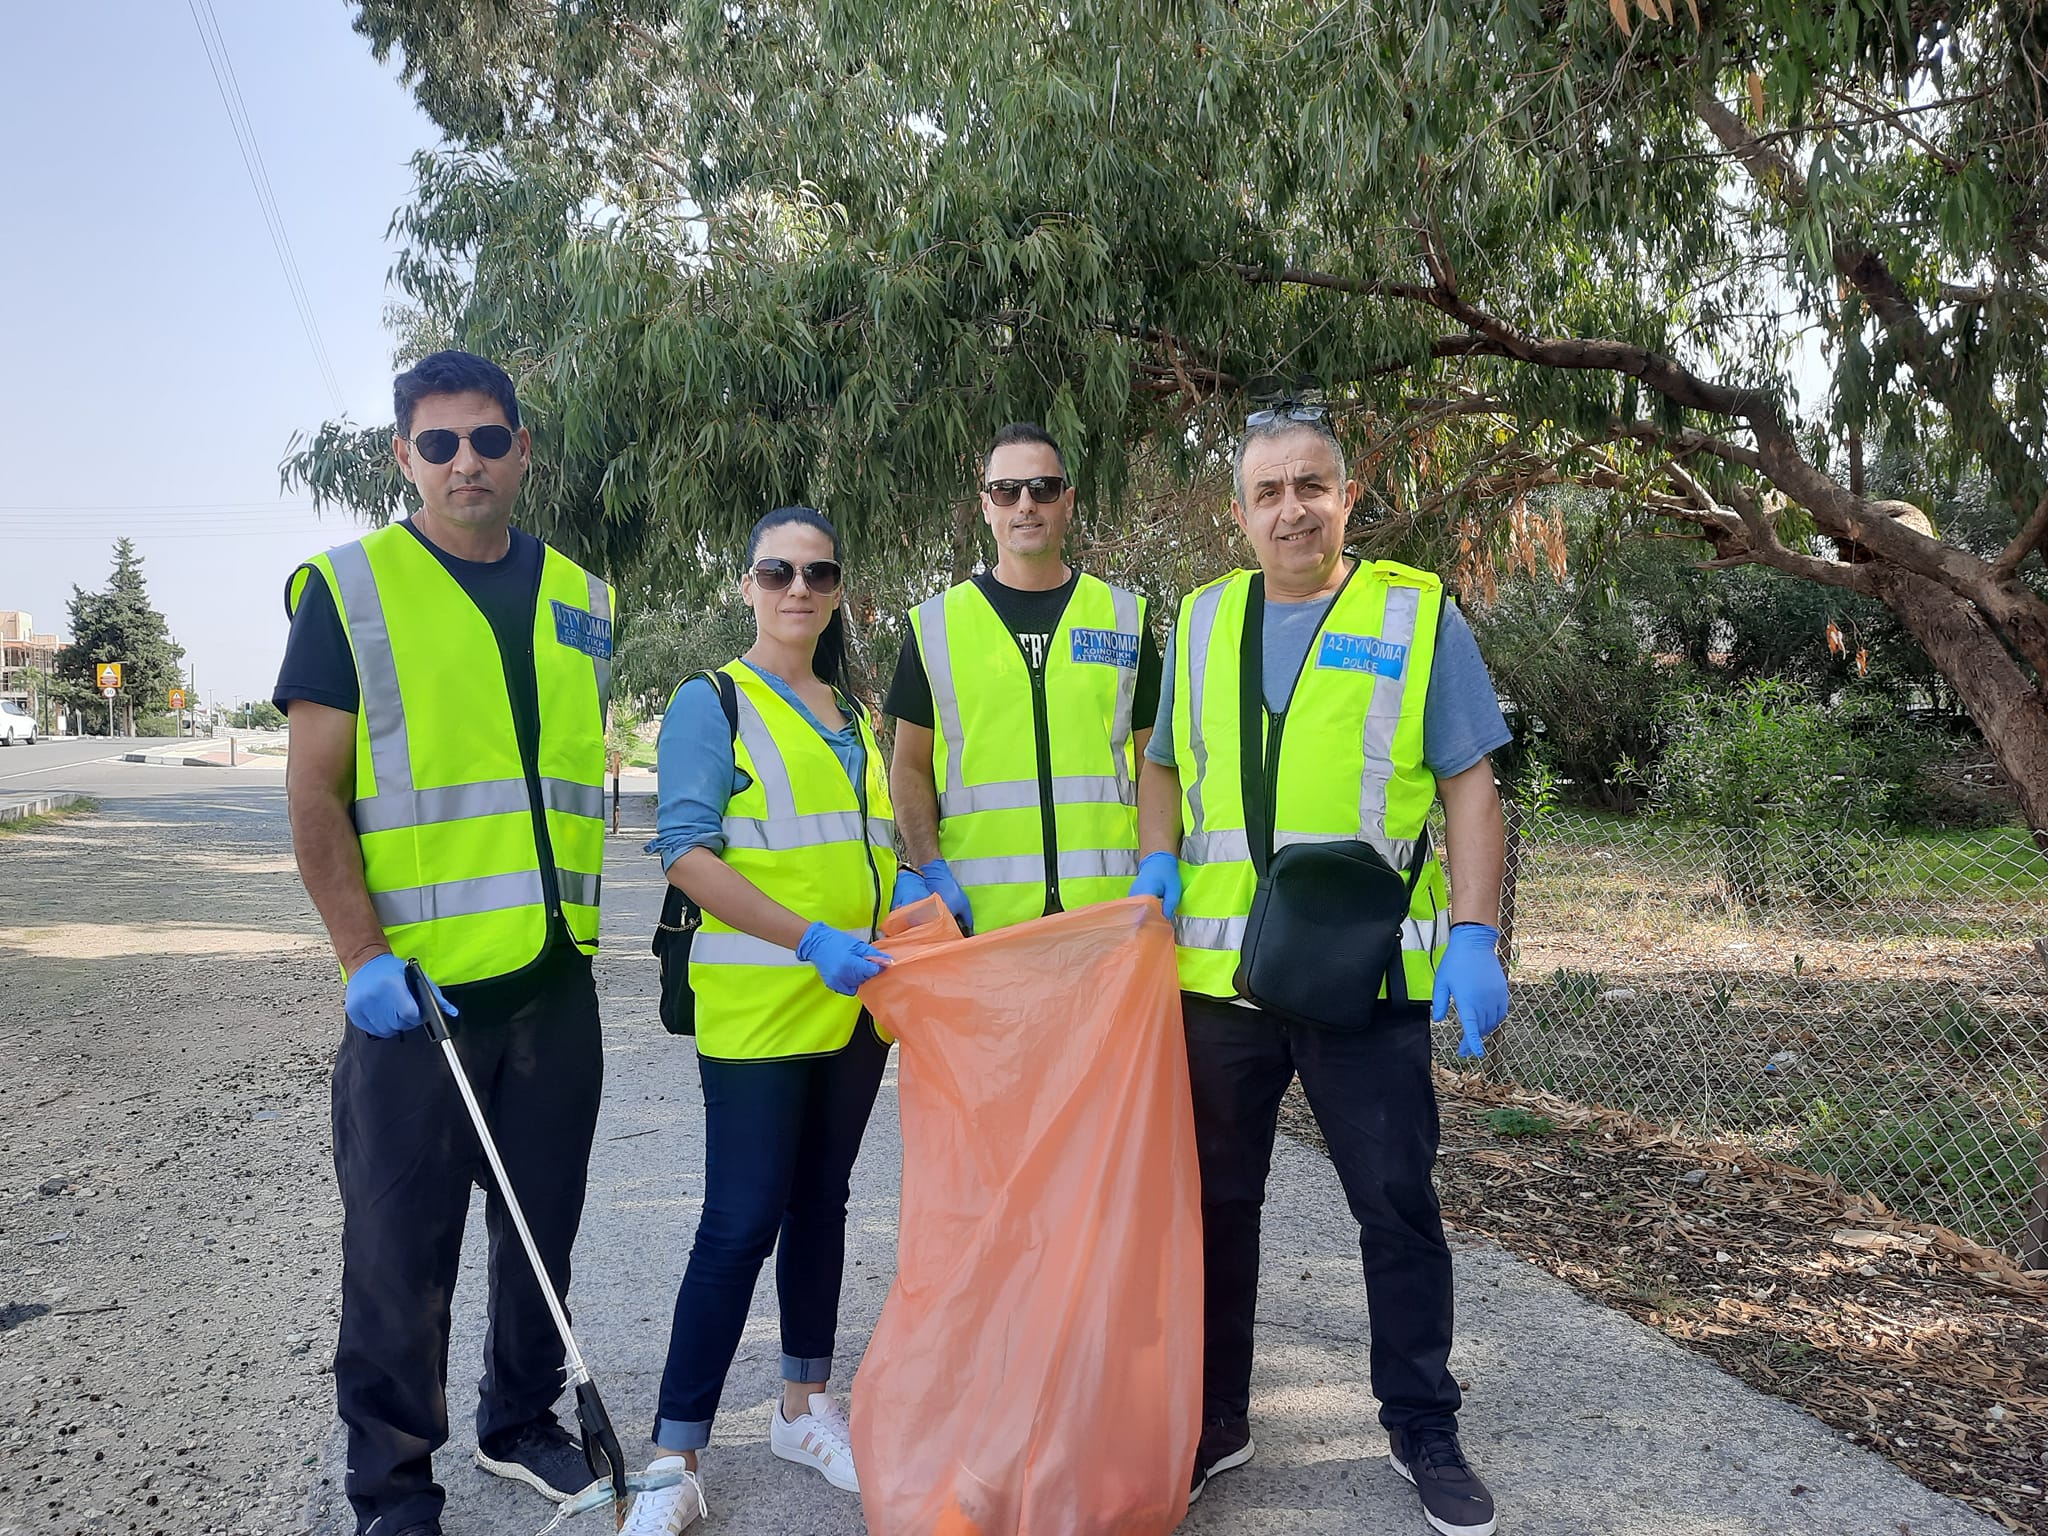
1221	1449
430	1528
1454	1501
544	1456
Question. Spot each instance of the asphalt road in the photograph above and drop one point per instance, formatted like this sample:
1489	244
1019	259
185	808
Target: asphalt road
92	765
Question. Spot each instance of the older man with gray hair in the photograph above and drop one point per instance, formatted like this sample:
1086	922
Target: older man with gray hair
1311	713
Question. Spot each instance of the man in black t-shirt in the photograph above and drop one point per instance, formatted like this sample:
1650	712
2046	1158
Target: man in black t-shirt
381	845
976	726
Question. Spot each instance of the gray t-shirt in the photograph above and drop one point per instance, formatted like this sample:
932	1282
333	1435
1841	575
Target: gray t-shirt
1461	718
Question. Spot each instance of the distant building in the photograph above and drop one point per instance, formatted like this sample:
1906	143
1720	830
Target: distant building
23	651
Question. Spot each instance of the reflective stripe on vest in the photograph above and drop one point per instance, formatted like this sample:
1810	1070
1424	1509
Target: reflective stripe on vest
800	833
442	809
1351	760
991	820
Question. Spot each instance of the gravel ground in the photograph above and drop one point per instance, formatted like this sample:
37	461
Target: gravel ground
168	1236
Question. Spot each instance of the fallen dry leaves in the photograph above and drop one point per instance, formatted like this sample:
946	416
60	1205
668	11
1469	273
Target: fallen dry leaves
1907	1338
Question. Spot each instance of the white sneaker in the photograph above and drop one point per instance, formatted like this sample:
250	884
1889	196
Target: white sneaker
818	1439
667	1511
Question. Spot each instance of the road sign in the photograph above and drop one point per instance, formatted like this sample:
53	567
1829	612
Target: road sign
177	698
110	692
110	676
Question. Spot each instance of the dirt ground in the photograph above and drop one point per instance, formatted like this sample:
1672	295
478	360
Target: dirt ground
1919	1344
168	1235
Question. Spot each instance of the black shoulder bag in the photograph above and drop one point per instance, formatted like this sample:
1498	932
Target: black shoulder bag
1324	930
681	917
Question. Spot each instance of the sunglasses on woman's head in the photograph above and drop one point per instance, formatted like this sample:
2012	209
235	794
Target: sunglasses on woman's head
776	575
1044	489
437	445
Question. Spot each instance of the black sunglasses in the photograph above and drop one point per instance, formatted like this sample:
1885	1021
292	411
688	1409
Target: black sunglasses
437	445
776	575
1044	489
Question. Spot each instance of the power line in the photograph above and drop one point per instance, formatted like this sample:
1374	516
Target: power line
230	89
154	506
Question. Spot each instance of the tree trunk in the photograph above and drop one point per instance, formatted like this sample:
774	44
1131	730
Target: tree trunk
2008	708
966	514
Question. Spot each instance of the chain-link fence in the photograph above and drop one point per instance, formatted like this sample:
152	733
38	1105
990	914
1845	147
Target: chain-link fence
1874	1007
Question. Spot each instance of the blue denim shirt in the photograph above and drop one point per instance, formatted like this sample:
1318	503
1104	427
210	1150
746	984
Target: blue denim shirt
699	773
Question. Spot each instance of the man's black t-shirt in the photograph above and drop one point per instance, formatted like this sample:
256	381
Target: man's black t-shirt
1032	617
320	667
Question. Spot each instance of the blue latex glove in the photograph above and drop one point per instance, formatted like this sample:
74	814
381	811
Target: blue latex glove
842	960
910	887
380	1003
1159	875
1470	976
939	881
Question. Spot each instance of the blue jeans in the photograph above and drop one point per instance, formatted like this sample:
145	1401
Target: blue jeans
780	1138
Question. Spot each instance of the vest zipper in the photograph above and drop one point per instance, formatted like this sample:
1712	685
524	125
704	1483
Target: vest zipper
1048	825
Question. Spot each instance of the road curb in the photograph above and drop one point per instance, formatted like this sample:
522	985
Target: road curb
171	760
38	805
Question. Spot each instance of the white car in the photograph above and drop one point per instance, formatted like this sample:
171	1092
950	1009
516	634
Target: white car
16	724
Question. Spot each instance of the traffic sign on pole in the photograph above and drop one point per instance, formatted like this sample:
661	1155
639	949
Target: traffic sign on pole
177	698
110	677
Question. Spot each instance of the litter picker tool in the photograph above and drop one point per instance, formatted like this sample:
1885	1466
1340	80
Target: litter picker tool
600	1440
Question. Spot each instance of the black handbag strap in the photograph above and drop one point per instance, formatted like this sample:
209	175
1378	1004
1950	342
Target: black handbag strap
1251	727
678	912
1251	724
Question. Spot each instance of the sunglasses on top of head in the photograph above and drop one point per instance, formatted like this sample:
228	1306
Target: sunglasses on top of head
778	575
1044	489
438	445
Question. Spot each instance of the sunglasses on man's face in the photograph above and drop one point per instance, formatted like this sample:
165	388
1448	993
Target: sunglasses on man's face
776	575
1044	489
437	445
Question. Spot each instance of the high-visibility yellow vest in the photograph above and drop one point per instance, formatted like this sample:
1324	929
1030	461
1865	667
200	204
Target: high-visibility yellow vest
1350	763
443	810
1014	761
808	838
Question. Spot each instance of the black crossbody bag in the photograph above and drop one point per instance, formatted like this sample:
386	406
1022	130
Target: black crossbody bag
681	917
1324	930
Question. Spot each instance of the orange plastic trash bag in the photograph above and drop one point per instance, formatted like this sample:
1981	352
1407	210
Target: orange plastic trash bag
1037	1369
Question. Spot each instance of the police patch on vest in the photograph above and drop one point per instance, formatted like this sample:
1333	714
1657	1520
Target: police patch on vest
1105	648
581	631
1362	653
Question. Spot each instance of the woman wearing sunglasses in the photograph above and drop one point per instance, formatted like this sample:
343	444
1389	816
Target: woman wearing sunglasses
777	826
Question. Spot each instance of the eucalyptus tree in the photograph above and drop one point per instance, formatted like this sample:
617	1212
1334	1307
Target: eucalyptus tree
1689	252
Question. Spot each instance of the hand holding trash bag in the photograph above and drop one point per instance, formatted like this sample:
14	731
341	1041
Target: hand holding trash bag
1159	876
843	960
910	887
1470	975
938	879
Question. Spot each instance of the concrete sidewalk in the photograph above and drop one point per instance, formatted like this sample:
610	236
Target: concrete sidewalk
1582	1420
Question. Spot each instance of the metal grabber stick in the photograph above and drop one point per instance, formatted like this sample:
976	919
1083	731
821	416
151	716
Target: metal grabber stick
600	1440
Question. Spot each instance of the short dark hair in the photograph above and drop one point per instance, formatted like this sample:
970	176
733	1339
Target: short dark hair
1022	432
451	373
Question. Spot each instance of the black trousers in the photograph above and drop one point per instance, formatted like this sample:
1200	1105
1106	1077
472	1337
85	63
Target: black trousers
406	1157
1371	1094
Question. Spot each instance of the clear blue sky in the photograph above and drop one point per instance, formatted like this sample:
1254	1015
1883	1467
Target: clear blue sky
154	365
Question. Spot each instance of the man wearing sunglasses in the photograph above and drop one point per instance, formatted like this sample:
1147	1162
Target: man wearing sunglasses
446	679
1313	711
1020	698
